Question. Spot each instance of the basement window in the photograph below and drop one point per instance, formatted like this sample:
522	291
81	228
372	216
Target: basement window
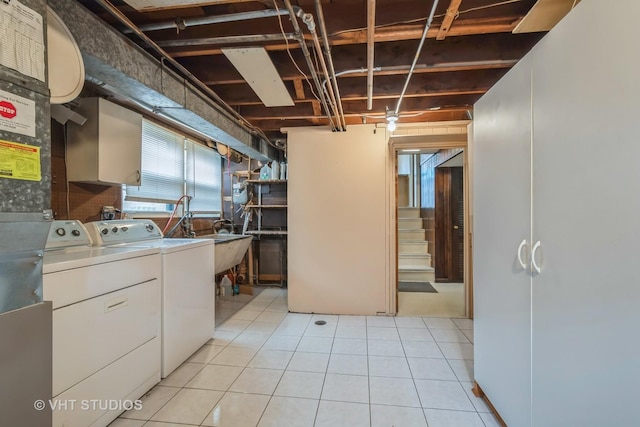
173	165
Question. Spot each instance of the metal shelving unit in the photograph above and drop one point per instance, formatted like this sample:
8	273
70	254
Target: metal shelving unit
268	238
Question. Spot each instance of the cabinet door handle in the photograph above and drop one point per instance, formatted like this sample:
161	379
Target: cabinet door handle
522	244
534	264
138	176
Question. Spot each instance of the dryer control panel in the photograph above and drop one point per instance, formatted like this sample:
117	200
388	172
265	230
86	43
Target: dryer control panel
67	233
123	231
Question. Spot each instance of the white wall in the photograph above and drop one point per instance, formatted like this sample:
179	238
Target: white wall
338	221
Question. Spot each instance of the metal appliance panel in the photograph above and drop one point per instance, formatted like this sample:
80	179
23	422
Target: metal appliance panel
22	240
25	365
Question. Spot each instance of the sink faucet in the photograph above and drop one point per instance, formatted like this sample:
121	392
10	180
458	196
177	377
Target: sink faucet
185	220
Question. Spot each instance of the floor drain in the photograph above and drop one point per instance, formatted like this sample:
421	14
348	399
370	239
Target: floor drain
320	322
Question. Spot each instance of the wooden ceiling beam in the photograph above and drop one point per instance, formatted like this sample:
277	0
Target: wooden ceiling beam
470	47
478	91
316	108
452	12
367	114
359	98
274	125
390	72
387	86
413	104
298	86
339	16
451	51
317	113
385	34
358	107
455	83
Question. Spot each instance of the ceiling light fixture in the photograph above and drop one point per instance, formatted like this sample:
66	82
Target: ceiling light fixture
256	67
392	118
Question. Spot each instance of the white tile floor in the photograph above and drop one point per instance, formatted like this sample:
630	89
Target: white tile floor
267	367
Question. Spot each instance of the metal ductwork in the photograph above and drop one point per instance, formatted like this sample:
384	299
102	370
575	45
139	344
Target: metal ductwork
329	96
119	66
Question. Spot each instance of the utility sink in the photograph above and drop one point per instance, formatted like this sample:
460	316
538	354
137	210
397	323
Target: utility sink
229	249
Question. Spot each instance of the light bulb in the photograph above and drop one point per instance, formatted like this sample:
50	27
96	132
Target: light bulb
391	126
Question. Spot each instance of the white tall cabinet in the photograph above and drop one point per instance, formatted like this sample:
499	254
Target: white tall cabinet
557	161
502	212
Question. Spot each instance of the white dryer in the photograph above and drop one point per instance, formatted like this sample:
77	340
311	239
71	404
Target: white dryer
188	284
106	325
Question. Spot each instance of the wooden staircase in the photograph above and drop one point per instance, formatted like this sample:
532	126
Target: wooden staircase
414	260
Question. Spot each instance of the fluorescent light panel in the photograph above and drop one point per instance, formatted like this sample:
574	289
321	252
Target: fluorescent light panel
147	5
254	64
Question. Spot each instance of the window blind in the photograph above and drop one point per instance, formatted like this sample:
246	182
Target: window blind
203	177
162	177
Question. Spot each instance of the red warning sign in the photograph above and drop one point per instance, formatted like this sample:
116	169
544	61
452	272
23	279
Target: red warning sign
7	110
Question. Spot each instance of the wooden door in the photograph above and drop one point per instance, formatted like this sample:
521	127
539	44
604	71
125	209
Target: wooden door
403	190
449	224
502	219
457	222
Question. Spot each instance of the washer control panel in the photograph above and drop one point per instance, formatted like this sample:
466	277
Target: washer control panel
66	233
123	231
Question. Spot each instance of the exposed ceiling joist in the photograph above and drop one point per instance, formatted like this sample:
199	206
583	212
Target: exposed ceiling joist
475	47
544	15
192	47
452	12
299	87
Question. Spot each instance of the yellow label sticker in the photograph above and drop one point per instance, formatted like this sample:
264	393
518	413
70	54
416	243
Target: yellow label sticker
19	161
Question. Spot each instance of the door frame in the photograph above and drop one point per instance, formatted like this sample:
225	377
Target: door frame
440	142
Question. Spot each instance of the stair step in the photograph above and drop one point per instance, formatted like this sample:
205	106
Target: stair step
425	274
408	212
417	234
417	247
409	223
414	260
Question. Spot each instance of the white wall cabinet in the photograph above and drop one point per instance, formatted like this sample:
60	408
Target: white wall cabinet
107	148
556	161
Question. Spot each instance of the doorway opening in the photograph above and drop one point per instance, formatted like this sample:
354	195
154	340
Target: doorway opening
430	232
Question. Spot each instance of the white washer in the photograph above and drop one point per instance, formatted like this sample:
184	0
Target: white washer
106	324
188	284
